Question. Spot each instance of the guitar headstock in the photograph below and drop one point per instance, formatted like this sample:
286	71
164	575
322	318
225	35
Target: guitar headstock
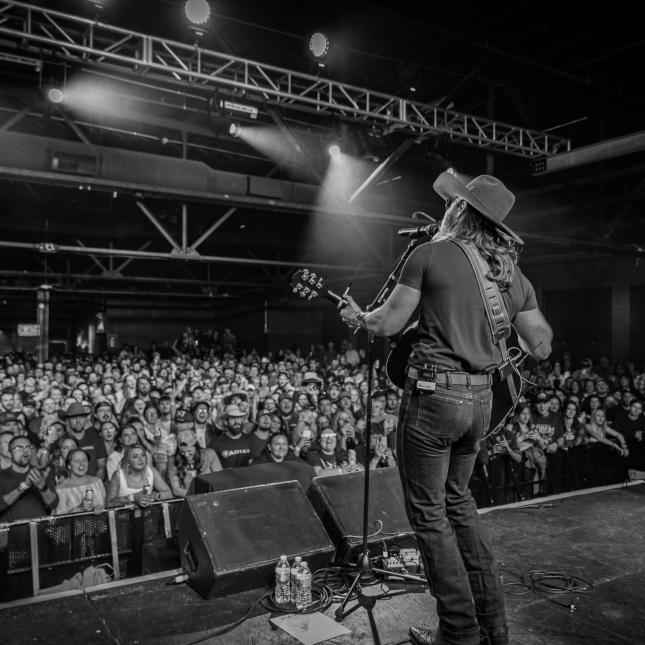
307	284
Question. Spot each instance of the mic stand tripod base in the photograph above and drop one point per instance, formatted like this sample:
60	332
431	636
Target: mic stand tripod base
366	573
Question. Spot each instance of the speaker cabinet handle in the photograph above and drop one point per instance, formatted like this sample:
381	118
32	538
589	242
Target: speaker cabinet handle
191	561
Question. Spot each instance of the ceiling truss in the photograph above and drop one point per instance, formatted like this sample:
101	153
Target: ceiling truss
83	41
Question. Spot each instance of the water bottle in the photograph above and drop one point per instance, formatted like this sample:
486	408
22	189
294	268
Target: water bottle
282	581
304	587
88	499
294	575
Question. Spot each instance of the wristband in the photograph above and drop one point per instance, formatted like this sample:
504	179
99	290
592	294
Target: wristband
23	487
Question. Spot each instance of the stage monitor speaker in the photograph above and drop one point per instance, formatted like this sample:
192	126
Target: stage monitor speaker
230	540
252	475
338	500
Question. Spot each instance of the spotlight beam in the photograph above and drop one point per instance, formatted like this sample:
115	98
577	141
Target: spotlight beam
289	136
393	157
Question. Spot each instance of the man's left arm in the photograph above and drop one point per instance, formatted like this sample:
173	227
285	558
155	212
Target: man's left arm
396	311
390	317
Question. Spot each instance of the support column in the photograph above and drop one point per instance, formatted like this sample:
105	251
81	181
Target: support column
620	320
42	316
91	338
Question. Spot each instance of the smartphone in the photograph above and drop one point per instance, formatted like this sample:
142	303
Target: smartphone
306	433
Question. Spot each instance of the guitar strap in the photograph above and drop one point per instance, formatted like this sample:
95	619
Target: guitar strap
496	312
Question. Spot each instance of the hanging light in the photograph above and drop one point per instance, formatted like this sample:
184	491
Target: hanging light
235	130
56	95
319	45
198	12
334	151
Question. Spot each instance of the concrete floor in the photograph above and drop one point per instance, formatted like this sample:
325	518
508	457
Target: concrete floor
597	536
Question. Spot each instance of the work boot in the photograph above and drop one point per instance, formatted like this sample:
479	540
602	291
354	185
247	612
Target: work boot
421	636
494	636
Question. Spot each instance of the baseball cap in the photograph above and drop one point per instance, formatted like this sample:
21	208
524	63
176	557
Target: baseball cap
76	410
233	410
183	416
197	404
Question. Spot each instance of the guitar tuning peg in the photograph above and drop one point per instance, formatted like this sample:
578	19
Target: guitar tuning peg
314	294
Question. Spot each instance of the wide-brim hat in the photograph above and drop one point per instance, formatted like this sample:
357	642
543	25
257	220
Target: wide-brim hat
311	377
485	193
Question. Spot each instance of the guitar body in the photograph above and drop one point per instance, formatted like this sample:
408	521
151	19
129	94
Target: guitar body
397	360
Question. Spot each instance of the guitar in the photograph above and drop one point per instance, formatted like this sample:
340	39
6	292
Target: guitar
309	285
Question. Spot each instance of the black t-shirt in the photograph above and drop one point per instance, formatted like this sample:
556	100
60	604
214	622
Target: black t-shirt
258	446
550	427
29	505
233	453
453	328
628	427
94	446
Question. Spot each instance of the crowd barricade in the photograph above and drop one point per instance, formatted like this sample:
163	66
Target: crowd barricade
40	554
500	480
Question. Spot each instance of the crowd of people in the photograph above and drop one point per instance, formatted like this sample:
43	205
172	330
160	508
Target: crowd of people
82	433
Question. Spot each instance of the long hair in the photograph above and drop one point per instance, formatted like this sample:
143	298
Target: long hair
499	250
183	464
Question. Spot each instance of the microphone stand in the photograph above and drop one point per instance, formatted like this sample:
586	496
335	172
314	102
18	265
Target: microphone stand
364	570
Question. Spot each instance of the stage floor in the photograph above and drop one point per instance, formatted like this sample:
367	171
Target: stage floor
597	536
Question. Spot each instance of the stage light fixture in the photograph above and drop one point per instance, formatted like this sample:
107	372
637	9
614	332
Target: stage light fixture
235	130
249	111
56	95
319	47
334	151
98	4
198	12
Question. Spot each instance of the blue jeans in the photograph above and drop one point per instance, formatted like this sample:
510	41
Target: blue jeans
437	444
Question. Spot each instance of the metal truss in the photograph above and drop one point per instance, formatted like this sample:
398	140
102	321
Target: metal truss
51	248
80	40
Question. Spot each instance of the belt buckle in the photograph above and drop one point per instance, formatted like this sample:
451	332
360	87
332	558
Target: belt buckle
426	386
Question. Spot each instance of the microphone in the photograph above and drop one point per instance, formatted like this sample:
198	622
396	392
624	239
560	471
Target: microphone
420	231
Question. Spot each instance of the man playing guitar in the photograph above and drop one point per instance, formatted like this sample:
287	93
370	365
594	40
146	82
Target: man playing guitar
447	398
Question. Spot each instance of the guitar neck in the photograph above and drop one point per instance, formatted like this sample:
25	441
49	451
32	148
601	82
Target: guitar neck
333	297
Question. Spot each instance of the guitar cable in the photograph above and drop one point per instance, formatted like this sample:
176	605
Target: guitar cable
514	362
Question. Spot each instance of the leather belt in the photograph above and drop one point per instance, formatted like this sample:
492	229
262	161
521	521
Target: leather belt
448	378
463	378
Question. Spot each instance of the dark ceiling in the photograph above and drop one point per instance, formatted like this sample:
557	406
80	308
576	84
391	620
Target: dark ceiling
530	64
